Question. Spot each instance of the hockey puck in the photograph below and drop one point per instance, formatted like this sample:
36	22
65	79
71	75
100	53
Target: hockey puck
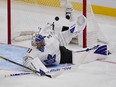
56	18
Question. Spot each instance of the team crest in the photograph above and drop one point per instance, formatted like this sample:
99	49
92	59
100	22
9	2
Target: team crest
50	59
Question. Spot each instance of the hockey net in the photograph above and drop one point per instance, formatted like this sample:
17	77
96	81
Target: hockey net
29	15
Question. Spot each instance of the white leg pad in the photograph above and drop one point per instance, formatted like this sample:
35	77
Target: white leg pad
83	57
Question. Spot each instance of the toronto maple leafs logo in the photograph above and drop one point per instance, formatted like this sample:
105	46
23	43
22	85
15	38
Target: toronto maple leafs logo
50	59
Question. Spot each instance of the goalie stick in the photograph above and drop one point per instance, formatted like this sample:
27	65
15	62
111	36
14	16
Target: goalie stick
65	67
62	67
35	71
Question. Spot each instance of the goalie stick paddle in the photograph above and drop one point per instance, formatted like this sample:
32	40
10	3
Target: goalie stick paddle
35	71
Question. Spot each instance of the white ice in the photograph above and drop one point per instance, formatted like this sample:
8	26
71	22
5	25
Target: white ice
94	74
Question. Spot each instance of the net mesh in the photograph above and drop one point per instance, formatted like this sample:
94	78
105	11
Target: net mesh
29	15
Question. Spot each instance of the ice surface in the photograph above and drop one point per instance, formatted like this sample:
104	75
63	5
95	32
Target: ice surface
94	74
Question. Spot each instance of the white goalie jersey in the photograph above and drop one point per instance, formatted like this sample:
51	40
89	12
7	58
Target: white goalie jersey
51	54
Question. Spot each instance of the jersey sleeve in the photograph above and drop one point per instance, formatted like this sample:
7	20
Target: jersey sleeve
32	52
64	37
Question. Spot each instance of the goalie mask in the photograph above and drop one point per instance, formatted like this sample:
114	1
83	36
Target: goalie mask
38	41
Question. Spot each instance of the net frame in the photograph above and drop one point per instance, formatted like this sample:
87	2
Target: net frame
84	35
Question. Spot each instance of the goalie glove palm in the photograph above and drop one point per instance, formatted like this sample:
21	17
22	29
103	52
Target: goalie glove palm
78	25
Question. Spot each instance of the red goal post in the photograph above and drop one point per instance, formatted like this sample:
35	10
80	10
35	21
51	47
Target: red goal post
9	21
